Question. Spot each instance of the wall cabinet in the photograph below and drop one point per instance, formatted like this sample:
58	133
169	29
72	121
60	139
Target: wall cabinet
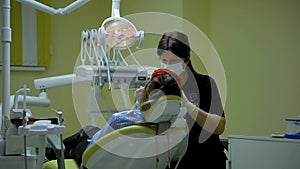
258	152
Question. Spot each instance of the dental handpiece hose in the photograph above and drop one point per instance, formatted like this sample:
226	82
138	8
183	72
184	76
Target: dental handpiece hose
59	114
24	121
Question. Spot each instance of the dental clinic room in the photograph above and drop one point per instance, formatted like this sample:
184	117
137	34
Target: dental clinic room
152	84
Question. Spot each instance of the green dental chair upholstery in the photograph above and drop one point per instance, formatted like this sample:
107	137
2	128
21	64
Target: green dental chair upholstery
151	145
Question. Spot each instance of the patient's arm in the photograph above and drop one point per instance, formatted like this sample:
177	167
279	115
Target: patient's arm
119	120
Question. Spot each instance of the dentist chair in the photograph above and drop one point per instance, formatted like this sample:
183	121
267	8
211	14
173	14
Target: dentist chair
162	139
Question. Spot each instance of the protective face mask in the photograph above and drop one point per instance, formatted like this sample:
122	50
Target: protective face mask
176	68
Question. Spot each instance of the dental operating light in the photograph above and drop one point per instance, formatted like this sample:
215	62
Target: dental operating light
101	50
119	33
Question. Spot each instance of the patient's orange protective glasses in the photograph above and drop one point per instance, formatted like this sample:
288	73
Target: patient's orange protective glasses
160	72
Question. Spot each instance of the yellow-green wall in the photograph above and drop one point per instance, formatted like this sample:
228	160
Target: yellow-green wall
257	42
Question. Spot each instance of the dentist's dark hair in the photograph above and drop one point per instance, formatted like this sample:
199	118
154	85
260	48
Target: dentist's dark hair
178	44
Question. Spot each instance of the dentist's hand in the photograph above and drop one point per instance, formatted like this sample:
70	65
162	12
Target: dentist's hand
137	96
190	106
138	92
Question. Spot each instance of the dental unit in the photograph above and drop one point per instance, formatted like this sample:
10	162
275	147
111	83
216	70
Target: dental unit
102	62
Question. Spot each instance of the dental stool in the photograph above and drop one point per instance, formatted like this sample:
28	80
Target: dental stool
152	145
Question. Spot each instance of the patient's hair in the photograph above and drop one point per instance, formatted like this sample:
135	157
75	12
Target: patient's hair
163	82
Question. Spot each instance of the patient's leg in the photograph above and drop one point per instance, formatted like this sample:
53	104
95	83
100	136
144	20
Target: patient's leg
73	141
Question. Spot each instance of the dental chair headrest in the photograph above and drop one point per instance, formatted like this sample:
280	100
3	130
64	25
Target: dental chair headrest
165	109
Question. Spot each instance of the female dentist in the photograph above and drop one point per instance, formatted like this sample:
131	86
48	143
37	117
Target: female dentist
205	117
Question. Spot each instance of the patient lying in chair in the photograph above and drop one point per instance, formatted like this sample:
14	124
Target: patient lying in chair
162	83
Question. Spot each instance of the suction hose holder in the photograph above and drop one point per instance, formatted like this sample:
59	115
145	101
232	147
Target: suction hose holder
24	112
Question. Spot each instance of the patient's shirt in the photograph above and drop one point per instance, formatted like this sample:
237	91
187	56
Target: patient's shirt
119	120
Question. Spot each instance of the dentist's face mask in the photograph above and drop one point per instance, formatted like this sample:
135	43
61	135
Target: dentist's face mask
176	67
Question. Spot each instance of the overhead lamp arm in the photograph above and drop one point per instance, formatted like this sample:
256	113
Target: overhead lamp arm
61	11
115	8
